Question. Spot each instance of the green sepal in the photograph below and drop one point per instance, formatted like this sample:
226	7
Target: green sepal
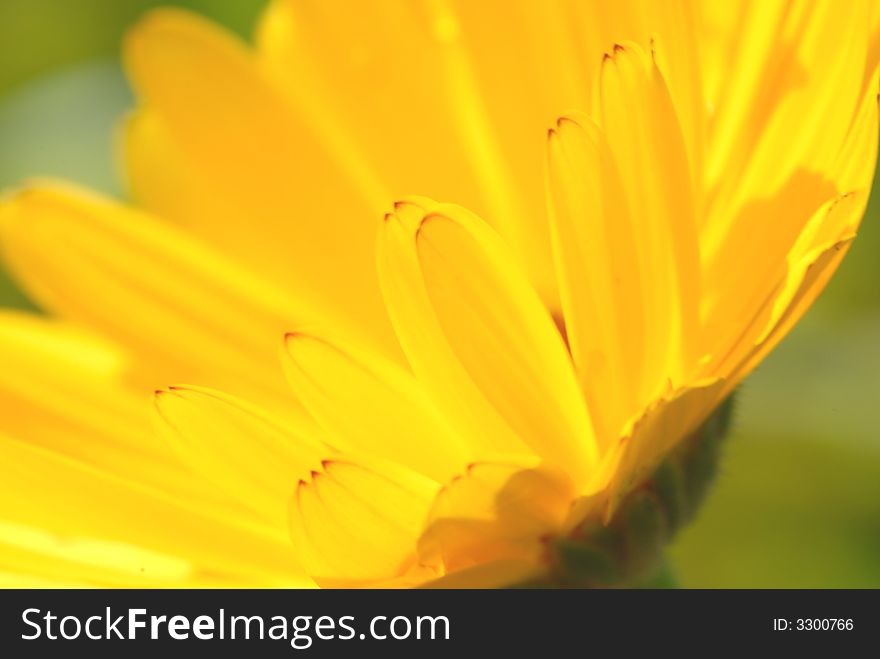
628	551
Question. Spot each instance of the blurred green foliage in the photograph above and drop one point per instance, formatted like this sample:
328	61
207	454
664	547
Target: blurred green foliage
62	90
38	36
790	511
798	501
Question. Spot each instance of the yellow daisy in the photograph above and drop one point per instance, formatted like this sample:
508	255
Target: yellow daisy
495	390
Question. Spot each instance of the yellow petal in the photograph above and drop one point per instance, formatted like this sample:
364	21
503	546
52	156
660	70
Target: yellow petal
450	132
371	405
245	451
159	177
600	276
21	578
427	93
68	499
854	164
357	522
795	73
181	309
790	289
743	289
670	29
874	39
813	260
285	203
35	555
650	436
645	138
352	519
495	325
663	425
492	574
495	511
61	389
804	284
426	348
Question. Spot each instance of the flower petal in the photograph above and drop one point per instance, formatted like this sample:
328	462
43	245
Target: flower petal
256	458
61	388
495	511
474	302
181	310
810	265
784	109
357	523
639	120
492	574
429	353
791	76
601	280
791	290
648	439
287	201
53	493
448	132
855	161
39	558
372	405
161	180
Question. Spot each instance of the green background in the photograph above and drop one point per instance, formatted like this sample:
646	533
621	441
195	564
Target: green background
798	501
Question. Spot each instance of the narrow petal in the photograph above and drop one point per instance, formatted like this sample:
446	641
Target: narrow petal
663	424
493	574
639	120
650	436
738	320
357	522
790	289
495	511
254	457
39	558
497	328
61	388
181	309
372	406
600	276
804	284
161	180
854	164
351	519
53	493
814	259
670	28
448	131
287	201
796	73
429	353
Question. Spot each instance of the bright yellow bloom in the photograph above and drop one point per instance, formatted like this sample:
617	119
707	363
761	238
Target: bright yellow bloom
490	384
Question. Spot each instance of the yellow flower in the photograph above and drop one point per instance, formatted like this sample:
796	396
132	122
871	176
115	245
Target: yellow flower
490	385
